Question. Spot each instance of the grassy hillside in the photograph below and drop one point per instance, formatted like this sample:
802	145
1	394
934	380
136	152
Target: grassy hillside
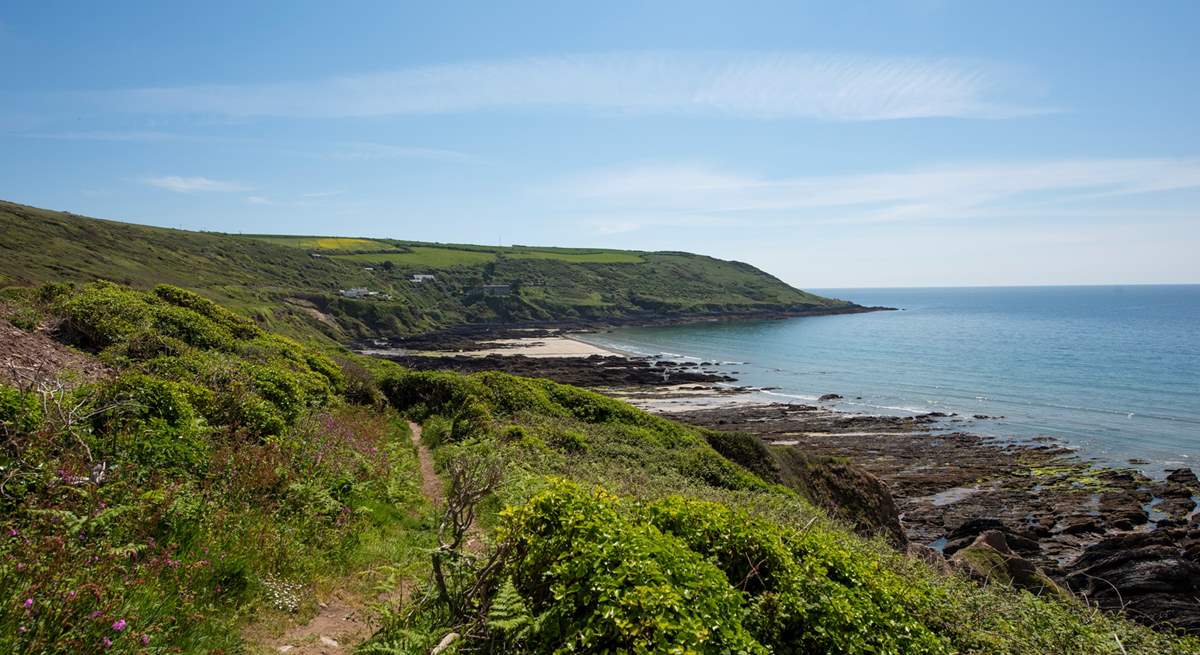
213	482
290	283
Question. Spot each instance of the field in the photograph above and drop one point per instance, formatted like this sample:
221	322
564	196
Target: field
325	243
594	257
424	256
438	256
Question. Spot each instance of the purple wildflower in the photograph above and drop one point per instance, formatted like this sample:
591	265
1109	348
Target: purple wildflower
28	603
107	642
119	625
145	640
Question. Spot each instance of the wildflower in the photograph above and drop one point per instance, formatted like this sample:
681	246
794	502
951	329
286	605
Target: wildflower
119	625
95	615
28	603
145	640
107	642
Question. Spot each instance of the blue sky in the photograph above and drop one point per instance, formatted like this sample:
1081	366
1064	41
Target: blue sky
915	143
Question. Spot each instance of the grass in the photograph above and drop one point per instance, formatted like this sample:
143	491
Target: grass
595	257
431	257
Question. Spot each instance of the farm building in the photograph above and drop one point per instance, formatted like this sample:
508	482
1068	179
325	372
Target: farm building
356	292
496	289
421	277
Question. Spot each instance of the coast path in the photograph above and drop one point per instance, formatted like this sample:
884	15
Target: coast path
342	623
431	484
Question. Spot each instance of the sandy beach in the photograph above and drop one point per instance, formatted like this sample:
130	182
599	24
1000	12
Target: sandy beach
546	346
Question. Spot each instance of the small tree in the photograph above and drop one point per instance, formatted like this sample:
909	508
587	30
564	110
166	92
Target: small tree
472	478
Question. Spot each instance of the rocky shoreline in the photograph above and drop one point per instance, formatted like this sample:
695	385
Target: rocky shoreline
1029	512
1114	536
473	336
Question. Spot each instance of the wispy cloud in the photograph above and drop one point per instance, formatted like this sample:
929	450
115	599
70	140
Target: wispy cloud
303	200
180	184
104	135
676	193
763	85
360	150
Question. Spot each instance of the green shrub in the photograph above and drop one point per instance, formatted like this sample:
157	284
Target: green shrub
253	415
20	412
103	313
191	328
569	441
361	387
279	388
431	392
239	326
436	431
597	582
810	590
151	422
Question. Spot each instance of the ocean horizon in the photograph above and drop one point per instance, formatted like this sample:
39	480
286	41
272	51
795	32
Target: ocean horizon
1112	371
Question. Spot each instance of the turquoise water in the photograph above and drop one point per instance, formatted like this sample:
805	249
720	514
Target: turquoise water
1112	371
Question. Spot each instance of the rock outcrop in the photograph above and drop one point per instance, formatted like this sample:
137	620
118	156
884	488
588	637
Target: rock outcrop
990	559
847	491
1154	576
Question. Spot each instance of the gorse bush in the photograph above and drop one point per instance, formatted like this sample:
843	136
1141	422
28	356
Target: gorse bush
599	574
597	581
808	592
239	376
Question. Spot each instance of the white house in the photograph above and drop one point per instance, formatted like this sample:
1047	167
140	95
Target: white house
356	292
421	277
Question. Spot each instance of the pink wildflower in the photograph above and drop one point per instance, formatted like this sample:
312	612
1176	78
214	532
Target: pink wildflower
107	642
119	625
145	640
28	603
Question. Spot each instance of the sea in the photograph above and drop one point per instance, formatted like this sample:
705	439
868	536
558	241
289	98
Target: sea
1111	371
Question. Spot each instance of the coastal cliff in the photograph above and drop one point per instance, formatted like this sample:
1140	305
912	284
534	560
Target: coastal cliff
343	289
